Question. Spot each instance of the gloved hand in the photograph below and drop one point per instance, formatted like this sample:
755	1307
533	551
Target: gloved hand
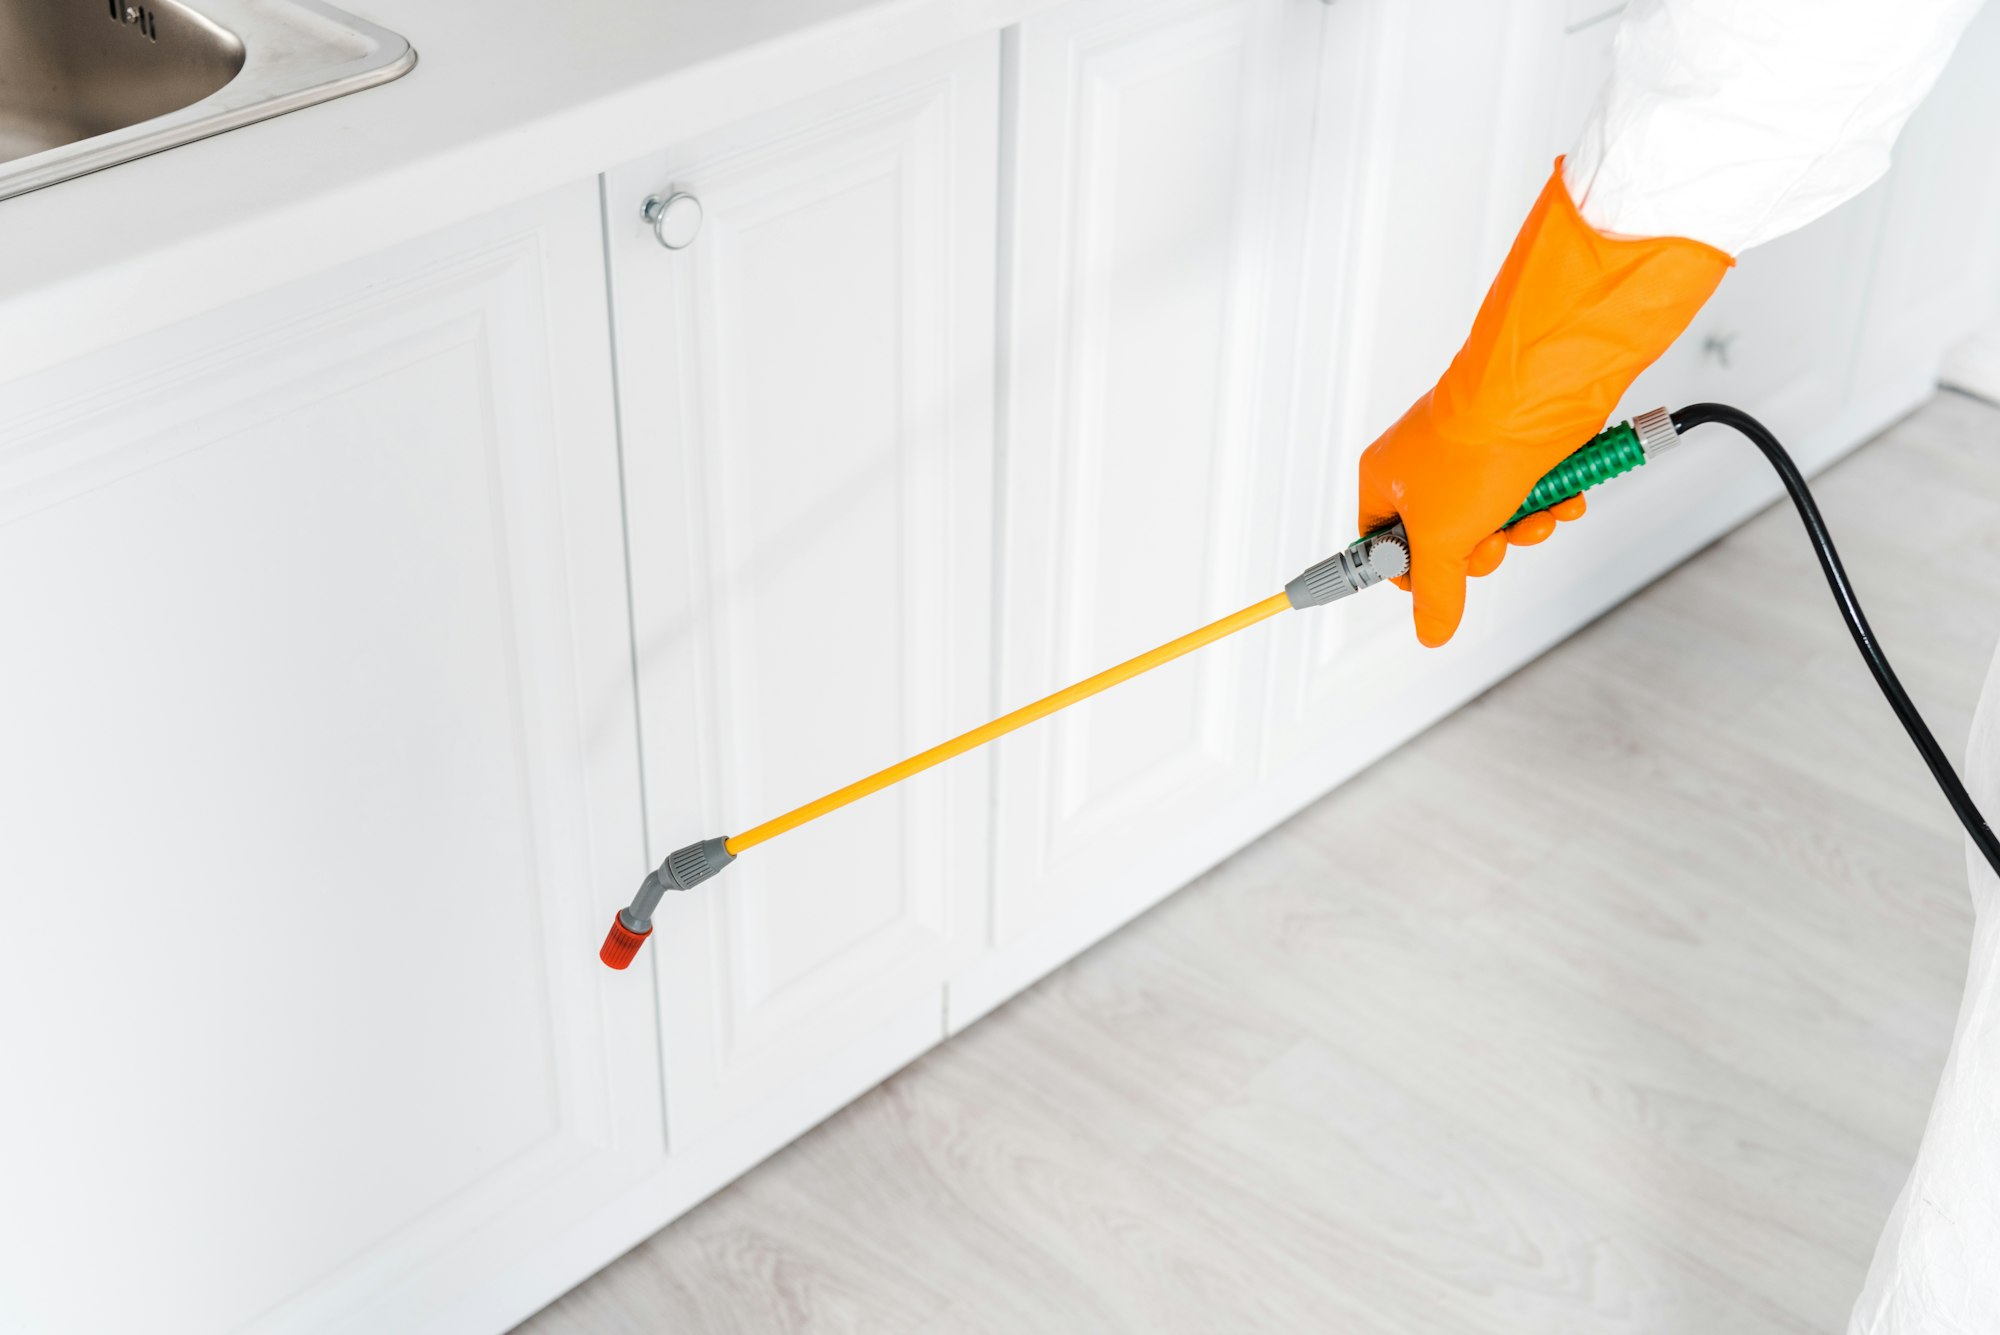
1568	324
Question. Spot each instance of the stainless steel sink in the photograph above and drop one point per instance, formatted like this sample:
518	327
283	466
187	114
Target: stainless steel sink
85	84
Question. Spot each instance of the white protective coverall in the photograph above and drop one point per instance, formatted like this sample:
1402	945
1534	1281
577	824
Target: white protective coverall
1734	122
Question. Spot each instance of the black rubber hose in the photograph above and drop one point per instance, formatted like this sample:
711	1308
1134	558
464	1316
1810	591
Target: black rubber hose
1721	414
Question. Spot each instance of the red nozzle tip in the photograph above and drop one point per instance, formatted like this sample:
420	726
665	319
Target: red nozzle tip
622	944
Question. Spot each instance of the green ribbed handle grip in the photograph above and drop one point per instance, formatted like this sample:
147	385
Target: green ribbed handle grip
1612	451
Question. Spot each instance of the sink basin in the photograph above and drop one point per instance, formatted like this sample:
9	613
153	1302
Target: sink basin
86	84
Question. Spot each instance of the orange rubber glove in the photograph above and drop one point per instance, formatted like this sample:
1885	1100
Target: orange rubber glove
1570	321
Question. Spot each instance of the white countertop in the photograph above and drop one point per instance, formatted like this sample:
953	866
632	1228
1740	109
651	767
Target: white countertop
509	97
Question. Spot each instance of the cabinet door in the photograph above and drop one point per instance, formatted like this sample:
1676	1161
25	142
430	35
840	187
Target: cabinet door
1419	179
1154	226
1935	270
807	393
317	775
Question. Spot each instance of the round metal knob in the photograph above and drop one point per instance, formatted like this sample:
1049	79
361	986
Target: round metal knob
676	218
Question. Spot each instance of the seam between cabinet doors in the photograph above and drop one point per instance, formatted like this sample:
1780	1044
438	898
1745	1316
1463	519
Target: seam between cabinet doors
1005	198
631	612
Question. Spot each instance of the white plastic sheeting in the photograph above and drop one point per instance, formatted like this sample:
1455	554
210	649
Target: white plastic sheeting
1734	122
1737	121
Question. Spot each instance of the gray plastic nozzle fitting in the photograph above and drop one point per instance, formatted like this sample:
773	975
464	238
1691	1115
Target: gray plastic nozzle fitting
1383	554
684	869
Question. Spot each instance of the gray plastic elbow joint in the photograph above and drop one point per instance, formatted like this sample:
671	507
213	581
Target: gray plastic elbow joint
684	869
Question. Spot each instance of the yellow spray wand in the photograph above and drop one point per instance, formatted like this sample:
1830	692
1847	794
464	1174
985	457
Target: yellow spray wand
1368	560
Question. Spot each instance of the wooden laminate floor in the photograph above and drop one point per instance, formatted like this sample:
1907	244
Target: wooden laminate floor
1612	1003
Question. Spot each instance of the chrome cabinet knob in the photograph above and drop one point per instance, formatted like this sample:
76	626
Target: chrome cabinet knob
676	218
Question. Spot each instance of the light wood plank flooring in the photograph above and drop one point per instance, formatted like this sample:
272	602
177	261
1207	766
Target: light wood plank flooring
1612	1004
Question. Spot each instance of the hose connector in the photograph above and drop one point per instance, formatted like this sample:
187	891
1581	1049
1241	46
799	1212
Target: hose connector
684	869
1656	431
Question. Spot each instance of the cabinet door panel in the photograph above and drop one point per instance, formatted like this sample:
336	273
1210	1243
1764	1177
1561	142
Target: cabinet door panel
1935	270
317	773
808	434
1154	230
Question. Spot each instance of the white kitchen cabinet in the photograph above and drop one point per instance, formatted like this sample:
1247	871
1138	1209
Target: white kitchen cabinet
1242	238
807	422
1933	278
1154	218
316	776
333	664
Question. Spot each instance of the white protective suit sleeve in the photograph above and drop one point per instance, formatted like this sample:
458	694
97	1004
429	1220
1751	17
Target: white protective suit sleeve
1937	1264
1737	121
1734	122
